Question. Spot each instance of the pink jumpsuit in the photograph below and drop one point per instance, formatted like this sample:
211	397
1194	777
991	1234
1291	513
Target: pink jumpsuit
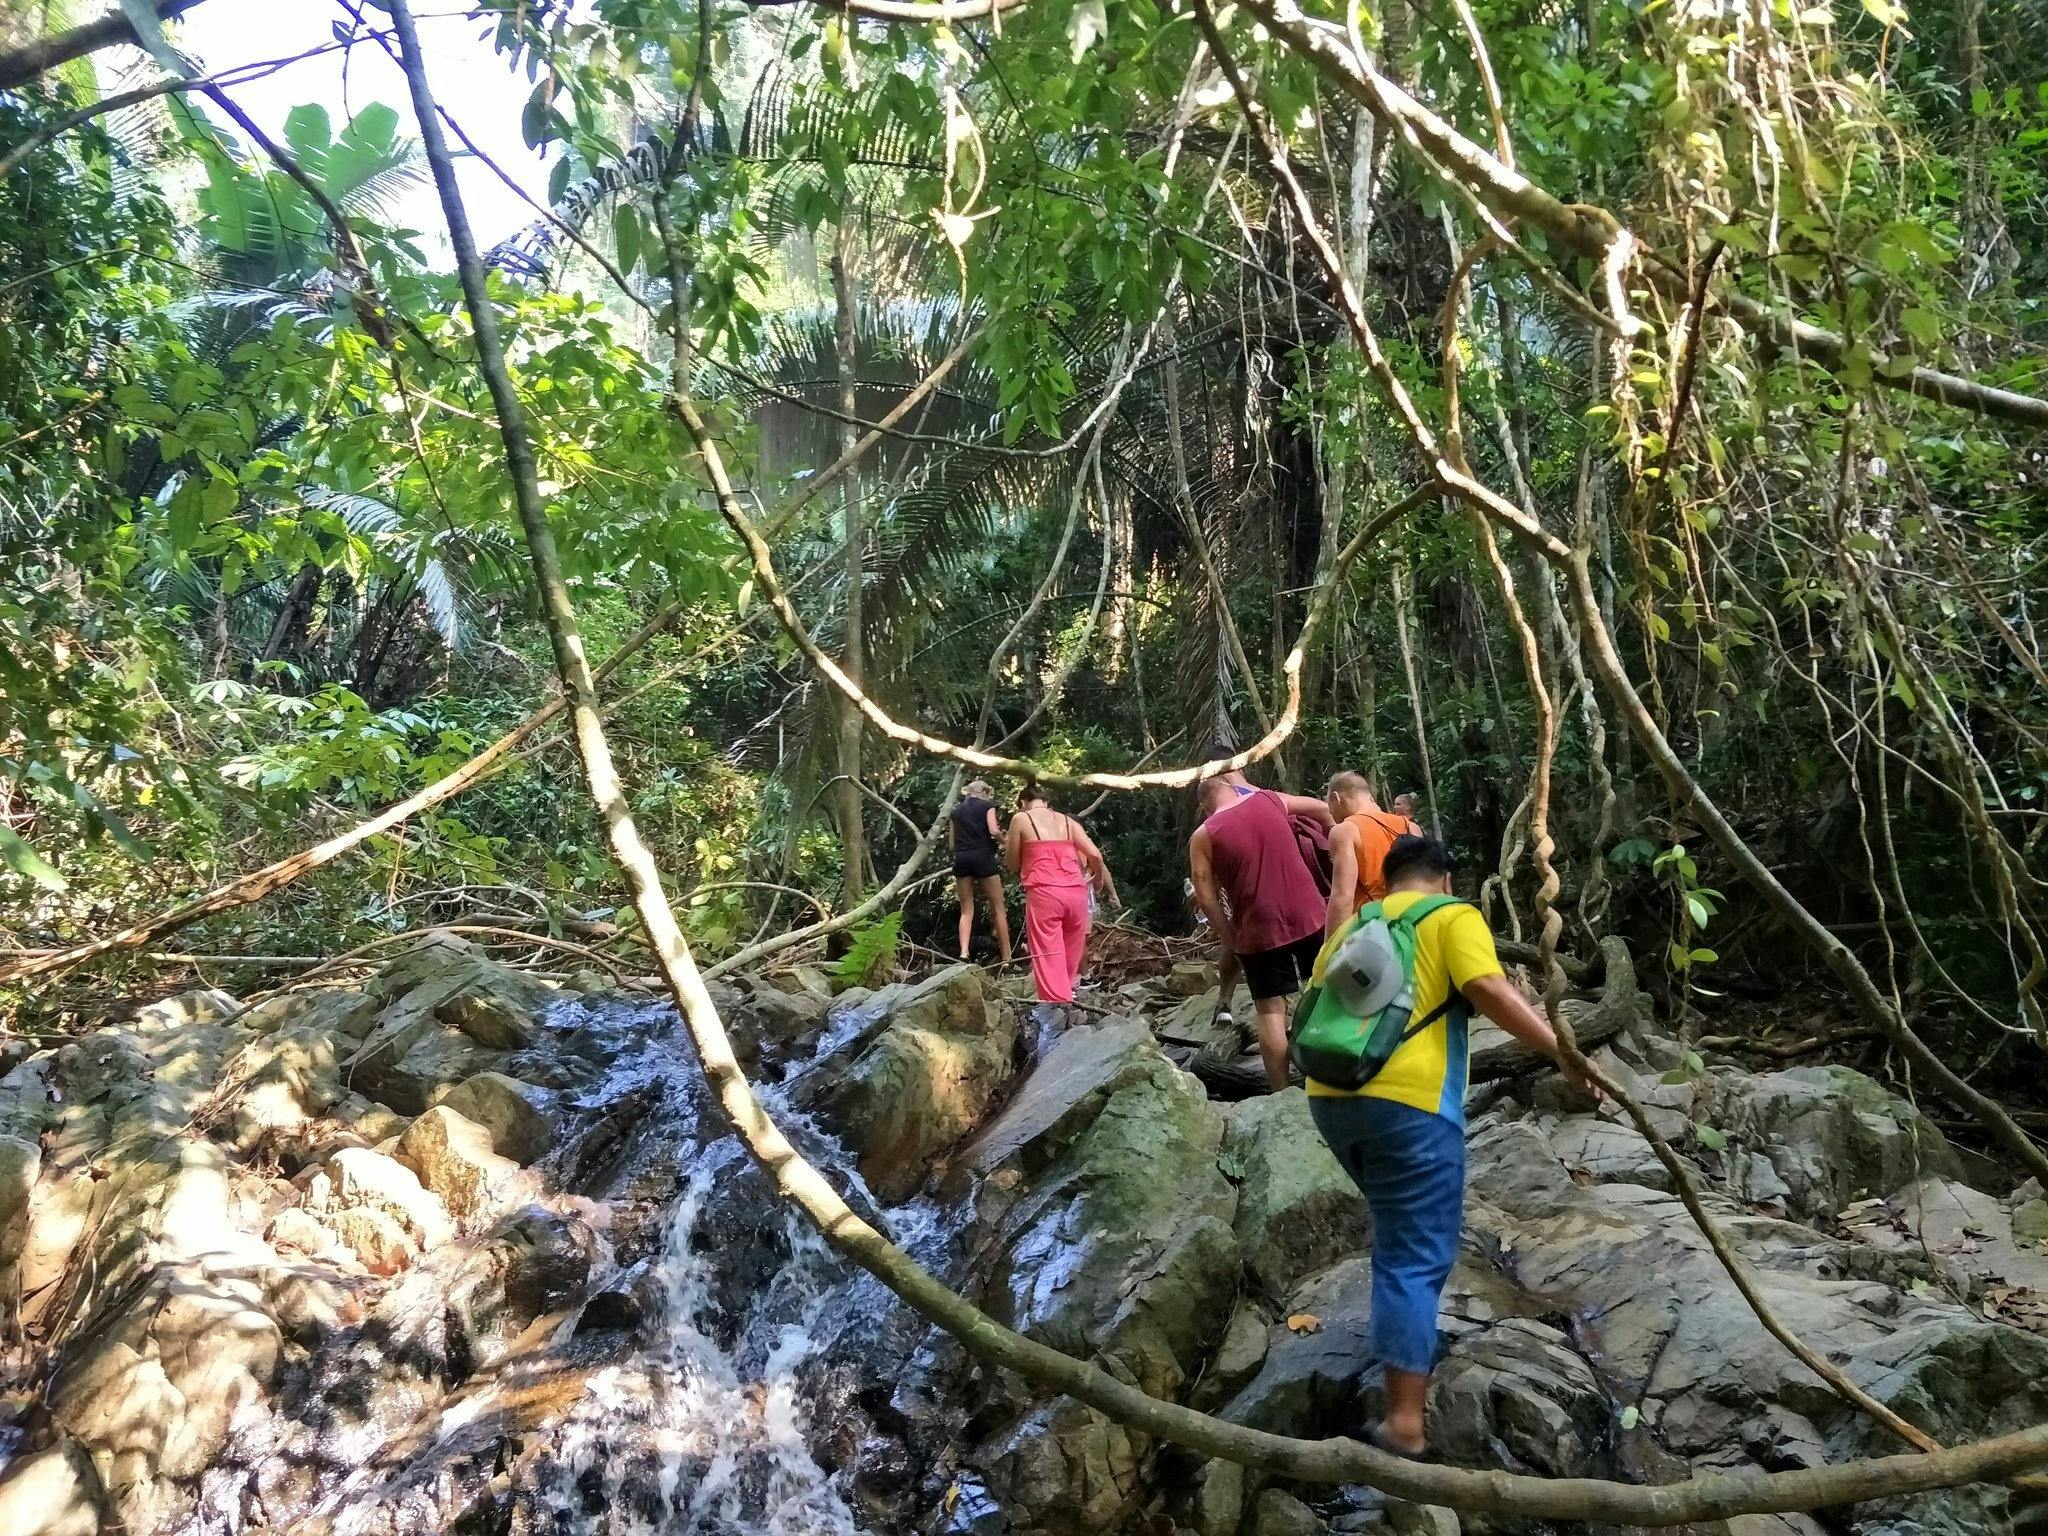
1055	914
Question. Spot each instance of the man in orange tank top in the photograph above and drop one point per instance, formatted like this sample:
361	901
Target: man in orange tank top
1358	848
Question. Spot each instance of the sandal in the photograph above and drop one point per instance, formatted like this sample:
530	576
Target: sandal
1379	1440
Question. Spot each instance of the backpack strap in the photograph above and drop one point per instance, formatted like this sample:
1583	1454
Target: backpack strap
1412	918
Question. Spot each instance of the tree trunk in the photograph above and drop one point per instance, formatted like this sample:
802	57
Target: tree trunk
846	799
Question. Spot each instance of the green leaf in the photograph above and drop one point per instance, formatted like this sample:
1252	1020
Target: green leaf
1704	957
24	860
1924	326
1681	957
1700	913
1711	1139
1630	1416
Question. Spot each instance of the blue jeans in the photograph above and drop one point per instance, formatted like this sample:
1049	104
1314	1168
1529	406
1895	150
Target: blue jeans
1410	1165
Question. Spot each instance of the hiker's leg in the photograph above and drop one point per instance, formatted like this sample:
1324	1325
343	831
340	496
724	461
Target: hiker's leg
1273	1039
992	889
1415	1184
1076	935
1045	922
966	890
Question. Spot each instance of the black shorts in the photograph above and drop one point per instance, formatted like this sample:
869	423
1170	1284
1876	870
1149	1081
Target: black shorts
1284	971
976	866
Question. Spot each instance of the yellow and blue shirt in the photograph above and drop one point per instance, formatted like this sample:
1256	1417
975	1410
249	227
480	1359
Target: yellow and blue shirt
1453	946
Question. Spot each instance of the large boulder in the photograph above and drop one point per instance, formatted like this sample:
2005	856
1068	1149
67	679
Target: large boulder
445	1013
923	1081
454	1159
519	1117
1063	1469
1120	1244
1297	1209
1831	1135
366	1180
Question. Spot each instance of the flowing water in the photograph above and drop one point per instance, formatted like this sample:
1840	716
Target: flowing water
676	1394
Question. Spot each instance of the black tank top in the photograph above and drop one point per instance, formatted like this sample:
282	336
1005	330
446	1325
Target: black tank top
970	826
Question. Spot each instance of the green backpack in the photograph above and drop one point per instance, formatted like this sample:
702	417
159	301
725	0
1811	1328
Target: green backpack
1349	1025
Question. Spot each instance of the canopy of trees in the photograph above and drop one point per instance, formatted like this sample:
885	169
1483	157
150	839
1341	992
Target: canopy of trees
1622	426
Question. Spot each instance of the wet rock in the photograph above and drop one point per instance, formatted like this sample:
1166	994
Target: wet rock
1297	1209
530	1265
51	1492
1063	1470
1122	1244
519	1117
1281	1514
454	1159
923	1083
369	1180
1516	1395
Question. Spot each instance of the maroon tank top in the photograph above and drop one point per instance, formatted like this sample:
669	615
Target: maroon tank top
1273	897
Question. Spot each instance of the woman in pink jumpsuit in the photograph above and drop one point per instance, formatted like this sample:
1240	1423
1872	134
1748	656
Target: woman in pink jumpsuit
1055	859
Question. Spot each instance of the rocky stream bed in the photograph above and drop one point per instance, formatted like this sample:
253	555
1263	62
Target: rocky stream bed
458	1252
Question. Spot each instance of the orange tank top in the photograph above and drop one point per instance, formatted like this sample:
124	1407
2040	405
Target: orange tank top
1376	833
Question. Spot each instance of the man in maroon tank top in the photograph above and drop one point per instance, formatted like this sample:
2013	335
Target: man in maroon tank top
1246	849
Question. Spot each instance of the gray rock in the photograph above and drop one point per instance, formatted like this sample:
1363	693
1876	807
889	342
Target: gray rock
1237	1358
445	1013
1282	1514
1607	1152
1406	1519
1832	1134
2030	1221
1297	1209
923	1083
1217	1508
1122	1244
1516	1395
1063	1470
20	1163
1063	1094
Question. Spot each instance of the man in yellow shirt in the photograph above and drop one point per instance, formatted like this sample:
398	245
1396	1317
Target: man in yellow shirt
1401	1137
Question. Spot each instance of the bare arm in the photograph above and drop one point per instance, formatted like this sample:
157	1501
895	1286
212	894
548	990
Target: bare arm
1343	879
1495	997
1304	805
1013	844
995	830
1098	866
1207	897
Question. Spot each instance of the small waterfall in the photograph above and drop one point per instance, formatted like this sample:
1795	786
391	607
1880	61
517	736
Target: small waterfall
703	1431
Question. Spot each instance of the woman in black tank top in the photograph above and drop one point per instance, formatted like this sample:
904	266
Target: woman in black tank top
973	834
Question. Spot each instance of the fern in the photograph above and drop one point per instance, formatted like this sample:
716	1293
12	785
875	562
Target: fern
874	952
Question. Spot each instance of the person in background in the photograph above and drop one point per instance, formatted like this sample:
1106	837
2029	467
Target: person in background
972	833
1055	860
1404	805
1227	970
1358	844
1402	1136
1245	848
